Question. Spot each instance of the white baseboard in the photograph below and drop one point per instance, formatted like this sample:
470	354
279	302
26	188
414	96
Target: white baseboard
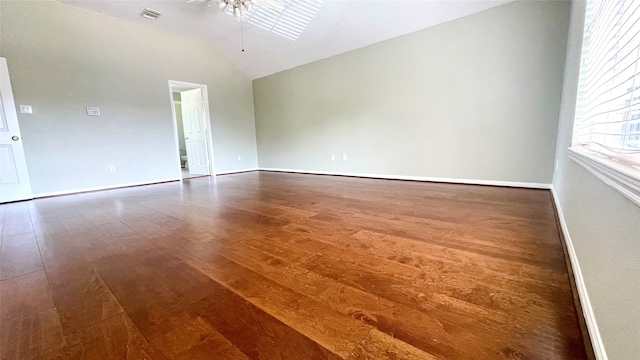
108	187
419	178
236	171
587	309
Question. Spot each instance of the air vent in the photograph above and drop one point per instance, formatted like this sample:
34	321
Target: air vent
150	14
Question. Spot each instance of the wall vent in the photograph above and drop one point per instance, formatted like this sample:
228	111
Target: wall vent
150	14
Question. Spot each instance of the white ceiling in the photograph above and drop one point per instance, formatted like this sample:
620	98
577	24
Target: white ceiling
338	27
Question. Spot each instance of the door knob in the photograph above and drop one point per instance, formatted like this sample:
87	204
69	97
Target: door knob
15	138
186	138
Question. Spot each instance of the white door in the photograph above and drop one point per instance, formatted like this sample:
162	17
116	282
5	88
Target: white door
14	177
194	131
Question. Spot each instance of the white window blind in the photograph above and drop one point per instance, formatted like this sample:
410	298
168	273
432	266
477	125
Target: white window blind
607	119
287	18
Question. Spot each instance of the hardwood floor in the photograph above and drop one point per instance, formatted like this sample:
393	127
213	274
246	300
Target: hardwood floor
286	266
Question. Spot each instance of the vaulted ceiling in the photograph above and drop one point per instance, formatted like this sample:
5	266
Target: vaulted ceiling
337	27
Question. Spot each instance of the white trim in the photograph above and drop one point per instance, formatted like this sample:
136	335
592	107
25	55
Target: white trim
419	178
587	309
236	171
108	187
617	176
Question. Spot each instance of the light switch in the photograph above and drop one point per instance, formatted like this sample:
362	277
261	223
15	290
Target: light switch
93	111
26	109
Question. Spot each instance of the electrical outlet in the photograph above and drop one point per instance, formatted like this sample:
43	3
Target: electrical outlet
239	157
344	157
333	157
112	168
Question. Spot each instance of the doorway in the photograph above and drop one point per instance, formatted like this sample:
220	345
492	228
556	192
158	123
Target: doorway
191	118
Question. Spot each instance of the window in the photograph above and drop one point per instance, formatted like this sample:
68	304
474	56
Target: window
606	135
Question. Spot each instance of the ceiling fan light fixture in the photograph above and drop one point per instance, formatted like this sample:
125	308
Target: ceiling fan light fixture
239	8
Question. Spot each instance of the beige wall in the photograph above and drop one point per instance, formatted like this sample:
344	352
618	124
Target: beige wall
63	59
604	226
475	98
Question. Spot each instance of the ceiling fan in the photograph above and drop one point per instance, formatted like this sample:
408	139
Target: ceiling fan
243	10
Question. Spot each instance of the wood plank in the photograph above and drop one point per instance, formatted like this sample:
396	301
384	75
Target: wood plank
440	234
81	298
380	346
482	269
116	338
20	255
339	261
272	209
17	219
147	302
418	291
3	210
414	327
419	253
313	319
185	282
38	336
24	296
250	329
502	315
196	339
47	223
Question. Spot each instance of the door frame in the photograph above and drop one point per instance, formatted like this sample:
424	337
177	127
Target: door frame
208	139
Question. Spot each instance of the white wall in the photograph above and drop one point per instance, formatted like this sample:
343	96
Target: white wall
63	59
603	225
475	98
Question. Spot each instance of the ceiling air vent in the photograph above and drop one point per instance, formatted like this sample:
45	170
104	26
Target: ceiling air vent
150	14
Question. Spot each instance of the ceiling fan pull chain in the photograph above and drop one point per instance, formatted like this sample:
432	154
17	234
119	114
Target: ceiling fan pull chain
241	35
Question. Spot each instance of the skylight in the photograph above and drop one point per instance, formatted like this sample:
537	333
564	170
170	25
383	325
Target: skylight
287	18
